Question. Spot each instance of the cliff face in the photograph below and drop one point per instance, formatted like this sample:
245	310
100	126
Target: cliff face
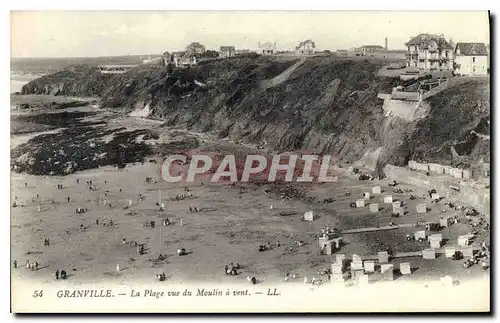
323	106
456	129
319	105
81	80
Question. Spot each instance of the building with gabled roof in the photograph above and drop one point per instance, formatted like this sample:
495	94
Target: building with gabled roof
430	52
195	48
372	48
227	51
471	49
305	47
471	59
267	48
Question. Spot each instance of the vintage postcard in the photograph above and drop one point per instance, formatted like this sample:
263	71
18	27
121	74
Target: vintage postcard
250	161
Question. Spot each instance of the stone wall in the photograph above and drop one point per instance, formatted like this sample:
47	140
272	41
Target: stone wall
468	193
405	109
441	169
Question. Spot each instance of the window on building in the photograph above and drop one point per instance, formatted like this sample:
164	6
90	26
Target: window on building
473	59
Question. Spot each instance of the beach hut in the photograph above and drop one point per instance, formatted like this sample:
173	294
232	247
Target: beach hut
435	241
463	241
376	189
449	252
429	254
468	252
457	173
405	268
340	258
369	266
398	210
309	216
383	257
445	221
360	203
420	234
374	208
421	208
337	268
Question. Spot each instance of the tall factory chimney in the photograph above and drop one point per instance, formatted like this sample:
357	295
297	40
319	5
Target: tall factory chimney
386	44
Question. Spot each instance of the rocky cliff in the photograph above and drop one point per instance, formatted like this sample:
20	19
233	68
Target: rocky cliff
80	80
319	104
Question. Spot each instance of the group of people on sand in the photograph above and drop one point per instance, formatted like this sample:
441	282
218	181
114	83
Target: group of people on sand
481	256
149	224
194	209
61	274
105	222
140	249
33	266
232	269
180	197
161	277
288	276
269	246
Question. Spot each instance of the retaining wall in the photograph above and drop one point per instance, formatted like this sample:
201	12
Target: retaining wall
468	194
441	169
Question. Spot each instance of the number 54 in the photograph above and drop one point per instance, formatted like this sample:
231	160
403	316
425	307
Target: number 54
38	293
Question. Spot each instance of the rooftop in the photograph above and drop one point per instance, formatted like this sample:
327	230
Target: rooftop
424	40
307	41
372	47
469	49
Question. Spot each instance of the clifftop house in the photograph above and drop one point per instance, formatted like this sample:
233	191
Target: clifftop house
305	47
227	51
429	52
179	59
195	48
355	51
367	49
471	59
267	48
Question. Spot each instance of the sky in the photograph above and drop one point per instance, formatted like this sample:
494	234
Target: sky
113	33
